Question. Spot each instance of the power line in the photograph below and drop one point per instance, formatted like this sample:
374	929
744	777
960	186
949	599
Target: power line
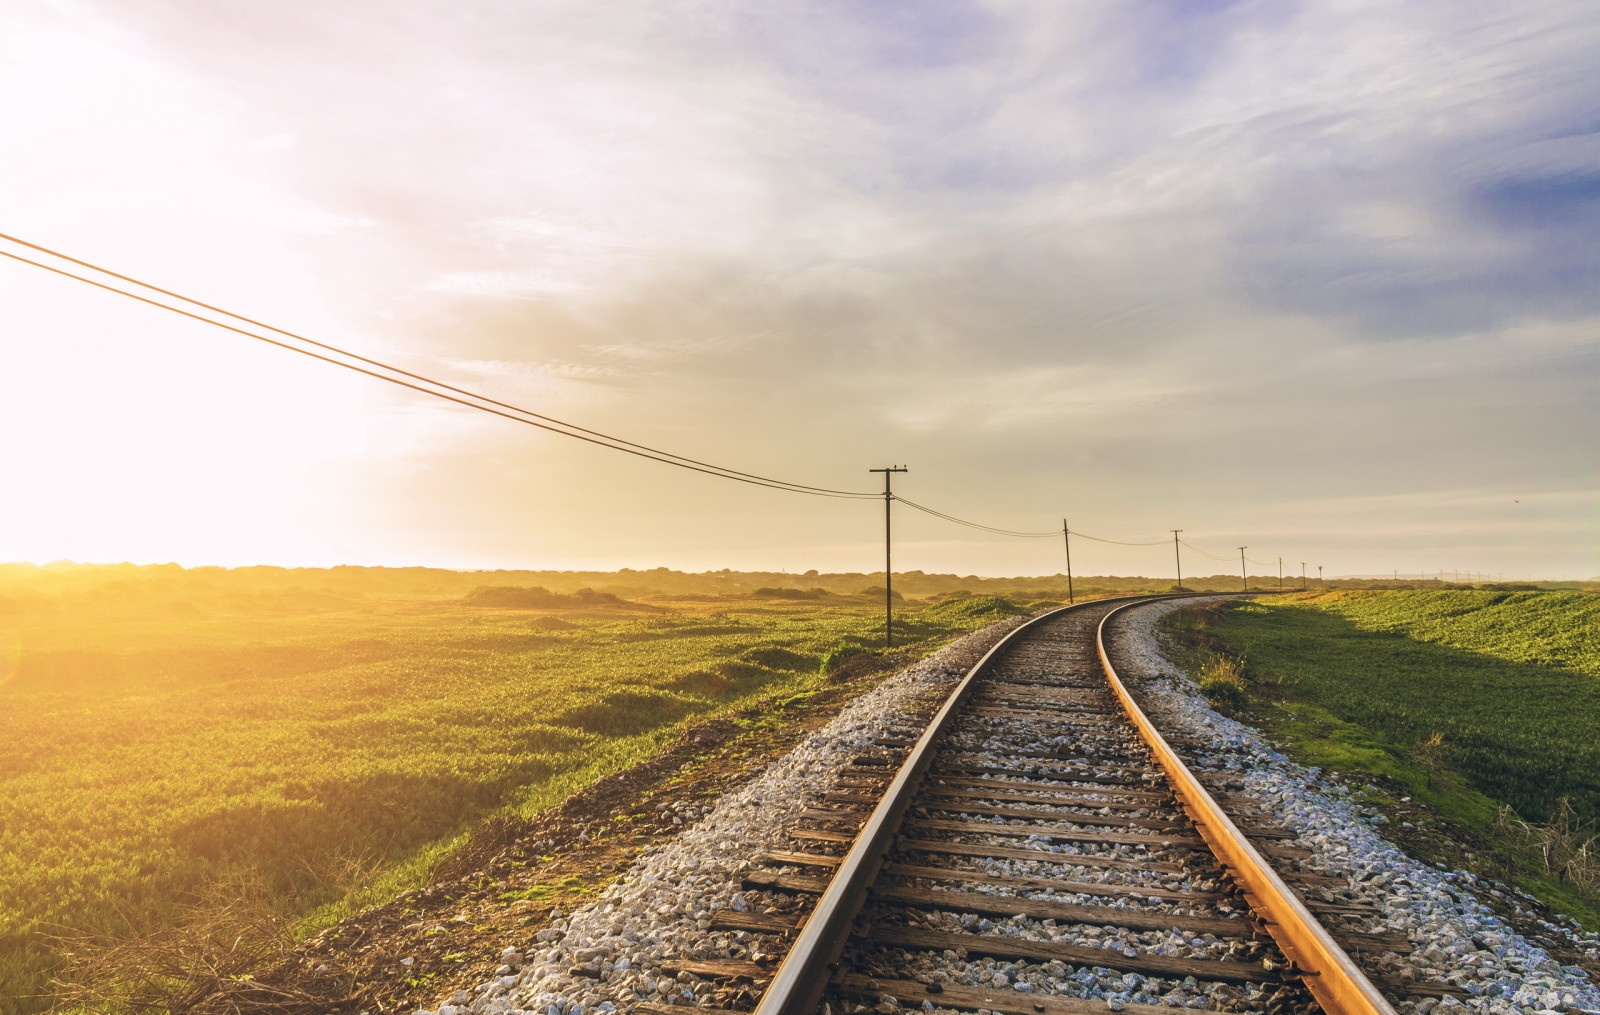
977	525
1118	542
483	403
549	423
1203	553
1012	532
1051	534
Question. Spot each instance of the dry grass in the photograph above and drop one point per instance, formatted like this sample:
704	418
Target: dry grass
1566	846
205	963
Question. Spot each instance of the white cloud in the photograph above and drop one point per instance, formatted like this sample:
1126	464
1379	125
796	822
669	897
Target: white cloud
1166	244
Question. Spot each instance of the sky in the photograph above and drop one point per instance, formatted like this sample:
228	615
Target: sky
1317	278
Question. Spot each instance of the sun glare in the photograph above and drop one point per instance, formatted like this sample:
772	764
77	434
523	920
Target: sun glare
133	435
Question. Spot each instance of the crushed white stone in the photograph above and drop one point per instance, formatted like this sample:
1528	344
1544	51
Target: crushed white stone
660	912
1459	939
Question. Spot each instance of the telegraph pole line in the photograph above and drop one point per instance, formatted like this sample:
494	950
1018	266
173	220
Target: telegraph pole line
1066	537
888	556
1178	557
1244	579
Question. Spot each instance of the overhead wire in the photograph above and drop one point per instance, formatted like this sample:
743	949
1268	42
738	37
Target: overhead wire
1027	535
1119	542
974	525
662	457
484	403
1201	552
492	406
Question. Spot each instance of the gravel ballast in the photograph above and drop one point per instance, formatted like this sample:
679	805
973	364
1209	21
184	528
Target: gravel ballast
607	956
1459	939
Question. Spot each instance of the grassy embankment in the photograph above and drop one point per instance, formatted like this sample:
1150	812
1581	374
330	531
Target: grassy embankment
1483	705
325	746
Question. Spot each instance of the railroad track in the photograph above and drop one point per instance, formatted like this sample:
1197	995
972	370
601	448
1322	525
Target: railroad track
1037	837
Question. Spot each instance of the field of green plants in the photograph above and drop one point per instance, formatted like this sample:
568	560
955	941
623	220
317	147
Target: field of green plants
158	736
1475	700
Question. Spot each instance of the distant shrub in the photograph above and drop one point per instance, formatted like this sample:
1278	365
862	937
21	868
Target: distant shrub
977	610
722	677
778	593
704	683
734	669
877	591
626	712
509	597
836	658
775	658
551	624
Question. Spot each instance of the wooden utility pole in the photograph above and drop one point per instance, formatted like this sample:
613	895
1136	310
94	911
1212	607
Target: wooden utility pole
1244	579
1066	536
1302	576
888	556
1178	557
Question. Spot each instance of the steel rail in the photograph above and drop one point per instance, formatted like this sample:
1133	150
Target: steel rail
1327	971
801	979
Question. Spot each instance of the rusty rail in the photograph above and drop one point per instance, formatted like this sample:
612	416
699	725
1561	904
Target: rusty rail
1328	972
801	979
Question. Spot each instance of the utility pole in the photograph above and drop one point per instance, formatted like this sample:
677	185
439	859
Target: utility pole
1177	556
888	558
1319	577
1280	574
1302	576
1066	536
1243	578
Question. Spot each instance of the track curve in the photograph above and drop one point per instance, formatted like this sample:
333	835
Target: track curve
1016	692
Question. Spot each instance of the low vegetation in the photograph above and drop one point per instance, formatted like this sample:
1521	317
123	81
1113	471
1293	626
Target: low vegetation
320	739
1483	703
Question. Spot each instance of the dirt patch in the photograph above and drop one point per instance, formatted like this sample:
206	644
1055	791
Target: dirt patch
514	876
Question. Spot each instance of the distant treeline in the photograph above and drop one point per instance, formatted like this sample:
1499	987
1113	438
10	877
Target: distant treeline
28	588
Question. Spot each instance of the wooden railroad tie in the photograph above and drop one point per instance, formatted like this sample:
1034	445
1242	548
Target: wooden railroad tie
1007	906
1072	797
1049	832
1042	855
1005	1002
1041	786
1048	951
940	803
797	859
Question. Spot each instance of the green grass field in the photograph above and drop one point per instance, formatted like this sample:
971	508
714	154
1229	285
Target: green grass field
159	740
1472	700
